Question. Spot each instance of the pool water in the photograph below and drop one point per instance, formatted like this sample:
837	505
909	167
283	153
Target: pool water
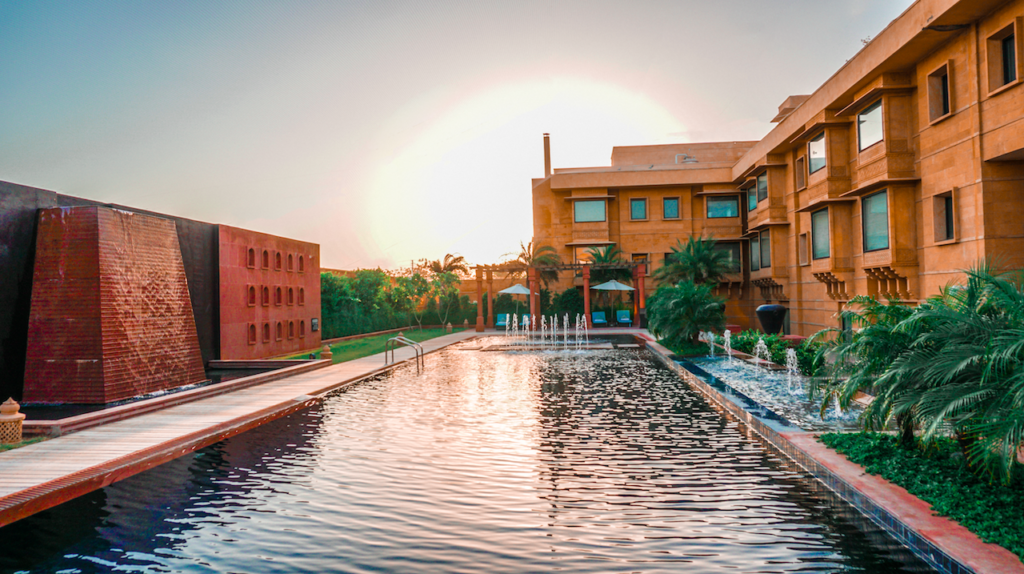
579	461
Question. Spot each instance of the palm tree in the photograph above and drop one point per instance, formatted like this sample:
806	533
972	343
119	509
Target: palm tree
854	362
679	313
698	261
539	256
603	260
450	264
965	369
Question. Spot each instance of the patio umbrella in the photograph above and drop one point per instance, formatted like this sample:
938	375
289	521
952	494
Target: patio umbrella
613	285
516	289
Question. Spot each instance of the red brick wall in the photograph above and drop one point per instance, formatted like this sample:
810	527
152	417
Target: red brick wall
237	315
111	316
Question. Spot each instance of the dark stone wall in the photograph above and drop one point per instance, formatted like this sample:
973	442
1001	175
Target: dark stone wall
19	205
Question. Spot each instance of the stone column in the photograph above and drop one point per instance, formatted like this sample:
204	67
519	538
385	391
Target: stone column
490	298
586	295
479	301
637	278
531	280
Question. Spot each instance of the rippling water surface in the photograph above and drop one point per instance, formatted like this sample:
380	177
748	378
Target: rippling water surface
599	461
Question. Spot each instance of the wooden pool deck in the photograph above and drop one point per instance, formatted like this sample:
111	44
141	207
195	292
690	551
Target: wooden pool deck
42	475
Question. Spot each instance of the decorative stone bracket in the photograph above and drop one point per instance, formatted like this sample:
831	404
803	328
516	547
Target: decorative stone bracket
770	289
887	282
835	287
730	288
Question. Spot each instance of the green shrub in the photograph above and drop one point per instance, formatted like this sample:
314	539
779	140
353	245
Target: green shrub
745	341
939	475
680	312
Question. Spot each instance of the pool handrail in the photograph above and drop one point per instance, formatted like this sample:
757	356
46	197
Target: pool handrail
400	340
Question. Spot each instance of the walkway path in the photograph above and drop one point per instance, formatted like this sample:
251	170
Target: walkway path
42	475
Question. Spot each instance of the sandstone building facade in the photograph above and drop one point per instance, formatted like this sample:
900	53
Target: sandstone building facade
904	168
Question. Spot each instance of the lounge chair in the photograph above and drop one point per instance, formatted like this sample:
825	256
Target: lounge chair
501	320
597	318
622	318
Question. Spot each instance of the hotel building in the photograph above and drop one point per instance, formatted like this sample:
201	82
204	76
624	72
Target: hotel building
904	168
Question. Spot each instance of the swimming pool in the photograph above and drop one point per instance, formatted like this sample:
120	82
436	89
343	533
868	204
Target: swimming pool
584	461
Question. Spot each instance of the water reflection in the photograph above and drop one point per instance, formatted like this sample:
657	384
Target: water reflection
499	462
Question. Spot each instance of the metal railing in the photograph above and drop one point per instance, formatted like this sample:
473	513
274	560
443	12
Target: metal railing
393	342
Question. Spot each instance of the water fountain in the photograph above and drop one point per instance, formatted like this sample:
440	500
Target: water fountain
515	327
566	331
709	338
728	343
792	367
761	351
543	330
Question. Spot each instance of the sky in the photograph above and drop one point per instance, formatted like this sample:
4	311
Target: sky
388	131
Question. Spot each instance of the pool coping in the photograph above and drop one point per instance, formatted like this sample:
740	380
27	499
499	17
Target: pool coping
939	541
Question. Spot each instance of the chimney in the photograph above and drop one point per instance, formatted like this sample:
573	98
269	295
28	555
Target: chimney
547	156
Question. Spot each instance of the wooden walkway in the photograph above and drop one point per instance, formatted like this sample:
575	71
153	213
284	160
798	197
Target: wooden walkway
42	475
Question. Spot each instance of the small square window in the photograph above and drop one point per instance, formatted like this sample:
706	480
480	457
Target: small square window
722	207
939	102
869	126
944	212
801	173
670	208
802	252
816	153
637	209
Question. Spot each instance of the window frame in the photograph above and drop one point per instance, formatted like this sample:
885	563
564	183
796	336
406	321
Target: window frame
864	221
638	201
751	193
755	254
719	199
644	258
944	217
803	249
881	121
664	200
940	93
824	150
828	237
800	172
251	335
604	211
996	52
250	258
766	245
734	247
759	179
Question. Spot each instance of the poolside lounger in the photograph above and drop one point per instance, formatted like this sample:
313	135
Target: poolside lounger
622	318
501	320
597	318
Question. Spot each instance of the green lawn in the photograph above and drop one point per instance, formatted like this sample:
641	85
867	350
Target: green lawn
25	442
358	348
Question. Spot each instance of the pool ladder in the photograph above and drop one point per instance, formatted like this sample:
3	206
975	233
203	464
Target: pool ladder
393	342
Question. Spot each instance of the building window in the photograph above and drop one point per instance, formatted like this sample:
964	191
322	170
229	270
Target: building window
1002	58
252	296
266	332
751	199
250	260
266	259
291	296
766	249
302	329
638	209
945	217
291	262
280	331
670	207
302	296
762	187
875	212
755	253
819	234
277	261
252	334
801	173
938	93
719	207
302	264
869	126
732	256
266	296
816	153
588	211
277	296
802	249
642	258
291	329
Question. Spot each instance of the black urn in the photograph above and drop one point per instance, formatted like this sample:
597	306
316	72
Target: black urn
771	318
